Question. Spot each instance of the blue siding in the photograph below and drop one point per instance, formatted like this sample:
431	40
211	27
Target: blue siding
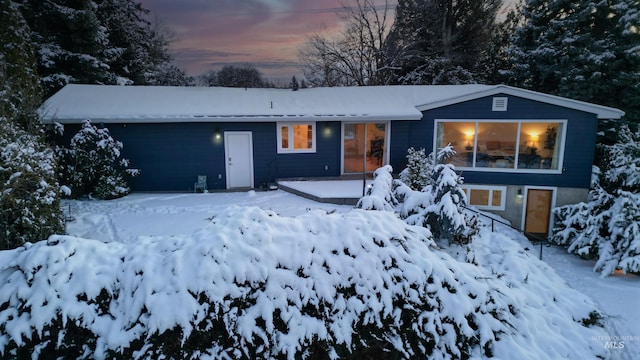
312	165
579	146
171	155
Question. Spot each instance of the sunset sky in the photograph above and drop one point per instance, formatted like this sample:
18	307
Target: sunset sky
265	33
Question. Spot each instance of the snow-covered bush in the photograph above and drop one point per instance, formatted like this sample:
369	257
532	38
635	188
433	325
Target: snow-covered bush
256	285
29	194
92	165
419	169
623	168
380	195
607	228
439	205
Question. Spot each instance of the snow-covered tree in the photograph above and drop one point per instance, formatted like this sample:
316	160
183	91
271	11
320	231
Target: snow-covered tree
96	42
380	195
607	227
419	169
446	218
439	205
585	50
93	165
20	94
442	40
623	171
29	194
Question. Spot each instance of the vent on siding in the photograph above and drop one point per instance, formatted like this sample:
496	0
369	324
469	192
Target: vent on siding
499	104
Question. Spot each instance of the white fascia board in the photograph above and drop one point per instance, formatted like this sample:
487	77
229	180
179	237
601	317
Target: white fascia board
238	119
602	112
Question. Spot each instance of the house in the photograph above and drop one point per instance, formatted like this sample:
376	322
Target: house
521	152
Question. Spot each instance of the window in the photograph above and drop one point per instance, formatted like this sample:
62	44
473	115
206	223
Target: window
510	145
364	146
486	197
295	137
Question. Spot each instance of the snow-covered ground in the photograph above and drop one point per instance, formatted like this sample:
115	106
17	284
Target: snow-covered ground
185	224
126	219
618	296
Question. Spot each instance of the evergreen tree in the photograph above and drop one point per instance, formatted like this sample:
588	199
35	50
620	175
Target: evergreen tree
294	83
72	45
442	40
495	64
607	227
98	42
446	217
585	50
20	94
29	194
380	195
419	170
93	164
439	205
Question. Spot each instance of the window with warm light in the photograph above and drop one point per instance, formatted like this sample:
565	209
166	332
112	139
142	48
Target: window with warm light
513	145
296	137
486	197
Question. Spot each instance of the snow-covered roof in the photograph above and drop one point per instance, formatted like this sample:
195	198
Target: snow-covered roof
139	104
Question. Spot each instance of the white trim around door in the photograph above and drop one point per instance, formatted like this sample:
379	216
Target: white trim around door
552	204
238	157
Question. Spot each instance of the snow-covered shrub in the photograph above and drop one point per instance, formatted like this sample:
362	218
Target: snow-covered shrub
607	227
29	194
446	218
92	165
255	285
380	195
582	227
439	206
419	169
623	167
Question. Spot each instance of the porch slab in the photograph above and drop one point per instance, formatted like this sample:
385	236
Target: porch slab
338	191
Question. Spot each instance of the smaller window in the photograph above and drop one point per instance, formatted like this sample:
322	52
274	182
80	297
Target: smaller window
499	104
296	137
486	197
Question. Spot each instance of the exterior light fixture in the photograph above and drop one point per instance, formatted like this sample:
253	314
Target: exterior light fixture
327	130
519	195
216	133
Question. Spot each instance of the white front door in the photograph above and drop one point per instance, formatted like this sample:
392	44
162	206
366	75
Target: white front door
238	154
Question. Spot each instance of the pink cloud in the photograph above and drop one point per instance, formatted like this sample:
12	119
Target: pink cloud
267	32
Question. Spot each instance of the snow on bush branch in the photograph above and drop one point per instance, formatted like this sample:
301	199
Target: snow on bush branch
257	285
428	194
93	165
29	193
607	227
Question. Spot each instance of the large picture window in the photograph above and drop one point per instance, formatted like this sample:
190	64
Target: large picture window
512	145
296	137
